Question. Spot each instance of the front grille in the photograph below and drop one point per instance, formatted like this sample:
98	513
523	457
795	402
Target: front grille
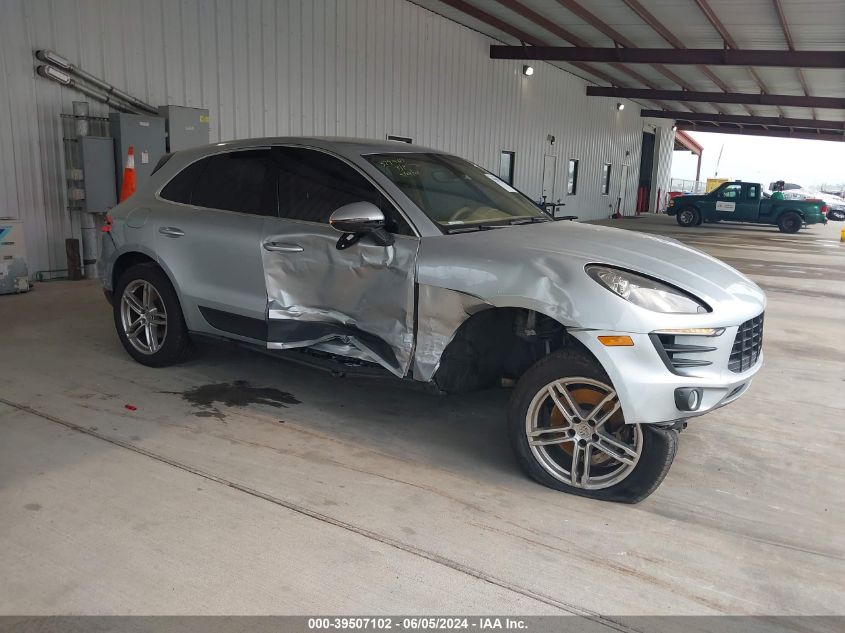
747	345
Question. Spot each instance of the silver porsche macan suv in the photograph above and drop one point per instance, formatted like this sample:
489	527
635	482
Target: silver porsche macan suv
384	255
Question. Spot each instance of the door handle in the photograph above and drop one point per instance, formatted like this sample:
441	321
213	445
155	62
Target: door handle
282	247
171	231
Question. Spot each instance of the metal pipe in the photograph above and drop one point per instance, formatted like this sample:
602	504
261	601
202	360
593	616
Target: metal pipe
51	57
49	72
80	120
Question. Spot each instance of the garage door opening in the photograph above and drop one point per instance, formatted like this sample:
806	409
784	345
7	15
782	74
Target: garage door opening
646	171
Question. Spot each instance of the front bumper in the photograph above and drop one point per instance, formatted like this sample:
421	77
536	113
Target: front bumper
646	386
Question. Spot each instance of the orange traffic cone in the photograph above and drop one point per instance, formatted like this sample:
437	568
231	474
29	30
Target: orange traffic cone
128	186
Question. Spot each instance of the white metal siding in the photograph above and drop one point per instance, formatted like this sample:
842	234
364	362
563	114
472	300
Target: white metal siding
362	68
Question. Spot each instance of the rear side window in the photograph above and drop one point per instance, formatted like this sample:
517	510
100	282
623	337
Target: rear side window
752	192
180	187
238	181
312	185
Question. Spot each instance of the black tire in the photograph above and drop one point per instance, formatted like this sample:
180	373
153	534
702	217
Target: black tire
688	216
790	222
658	445
836	215
175	345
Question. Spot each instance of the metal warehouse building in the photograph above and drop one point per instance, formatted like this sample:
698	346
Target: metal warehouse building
387	314
366	69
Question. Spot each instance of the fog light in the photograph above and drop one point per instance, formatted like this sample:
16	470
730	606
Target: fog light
688	398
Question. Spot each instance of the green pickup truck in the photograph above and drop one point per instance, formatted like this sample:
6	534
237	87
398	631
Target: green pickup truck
745	202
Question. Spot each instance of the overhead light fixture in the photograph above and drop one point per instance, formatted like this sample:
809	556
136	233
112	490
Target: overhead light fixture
527	70
620	106
51	72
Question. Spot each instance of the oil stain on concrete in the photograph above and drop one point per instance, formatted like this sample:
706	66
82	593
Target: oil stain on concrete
238	393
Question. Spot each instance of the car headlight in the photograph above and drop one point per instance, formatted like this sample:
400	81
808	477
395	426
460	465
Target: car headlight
646	293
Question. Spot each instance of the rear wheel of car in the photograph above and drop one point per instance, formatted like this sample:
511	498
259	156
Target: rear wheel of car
149	319
568	432
836	215
790	222
688	216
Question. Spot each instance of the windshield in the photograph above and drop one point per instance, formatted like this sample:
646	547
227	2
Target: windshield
455	193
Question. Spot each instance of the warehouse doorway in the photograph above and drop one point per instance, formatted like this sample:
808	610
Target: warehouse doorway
646	171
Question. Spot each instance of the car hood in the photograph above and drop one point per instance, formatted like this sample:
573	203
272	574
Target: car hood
544	263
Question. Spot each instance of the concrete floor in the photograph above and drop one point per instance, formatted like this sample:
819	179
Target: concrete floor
360	496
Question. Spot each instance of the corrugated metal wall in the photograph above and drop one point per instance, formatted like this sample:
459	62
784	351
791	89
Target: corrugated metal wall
362	68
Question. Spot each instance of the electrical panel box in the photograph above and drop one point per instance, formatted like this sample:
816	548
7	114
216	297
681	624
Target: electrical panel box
145	133
98	173
14	275
186	127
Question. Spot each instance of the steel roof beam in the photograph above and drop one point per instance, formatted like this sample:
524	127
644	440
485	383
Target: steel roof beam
785	133
602	27
522	36
746	120
688	56
798	101
714	20
554	28
647	17
787	35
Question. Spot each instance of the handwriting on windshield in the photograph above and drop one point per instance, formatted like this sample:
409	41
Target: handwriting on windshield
400	167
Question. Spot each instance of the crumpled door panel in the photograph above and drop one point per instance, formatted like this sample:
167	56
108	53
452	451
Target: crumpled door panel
360	297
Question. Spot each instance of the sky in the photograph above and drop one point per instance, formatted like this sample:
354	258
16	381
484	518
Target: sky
765	159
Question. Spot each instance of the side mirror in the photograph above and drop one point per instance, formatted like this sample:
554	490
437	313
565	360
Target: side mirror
358	219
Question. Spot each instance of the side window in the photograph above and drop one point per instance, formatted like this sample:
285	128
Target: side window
180	187
731	192
506	165
605	179
572	177
313	184
752	192
238	181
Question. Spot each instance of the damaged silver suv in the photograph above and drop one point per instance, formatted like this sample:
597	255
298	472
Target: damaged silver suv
381	254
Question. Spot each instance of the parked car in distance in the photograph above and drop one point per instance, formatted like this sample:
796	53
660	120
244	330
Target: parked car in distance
745	202
420	264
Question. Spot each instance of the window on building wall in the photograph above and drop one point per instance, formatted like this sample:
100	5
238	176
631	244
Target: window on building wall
506	164
605	179
572	178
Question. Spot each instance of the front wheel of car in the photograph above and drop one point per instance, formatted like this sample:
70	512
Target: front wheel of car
568	432
790	222
688	216
149	319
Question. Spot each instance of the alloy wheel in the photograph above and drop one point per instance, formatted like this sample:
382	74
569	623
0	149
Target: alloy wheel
687	216
143	316
576	432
